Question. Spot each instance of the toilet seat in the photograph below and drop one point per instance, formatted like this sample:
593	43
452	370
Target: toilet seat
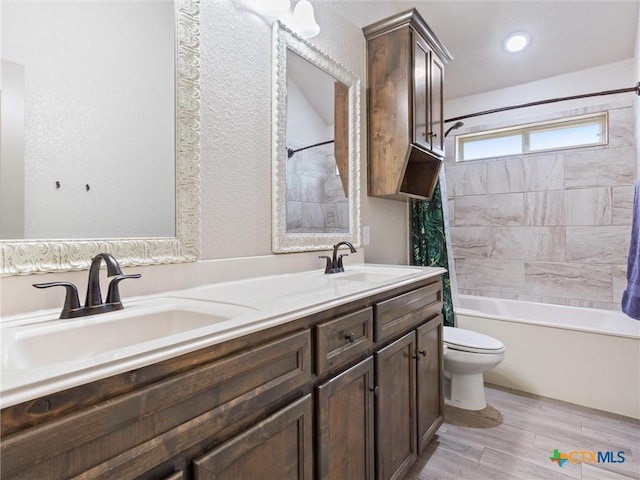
468	341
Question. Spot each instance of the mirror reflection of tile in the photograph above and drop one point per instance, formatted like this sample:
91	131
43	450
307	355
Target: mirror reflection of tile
316	202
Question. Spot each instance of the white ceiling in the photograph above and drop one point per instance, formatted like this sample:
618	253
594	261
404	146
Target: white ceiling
566	35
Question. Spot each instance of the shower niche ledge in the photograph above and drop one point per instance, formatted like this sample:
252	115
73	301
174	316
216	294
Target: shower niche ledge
405	74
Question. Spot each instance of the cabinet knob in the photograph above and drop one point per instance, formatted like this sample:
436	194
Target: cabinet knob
351	337
374	390
433	134
421	352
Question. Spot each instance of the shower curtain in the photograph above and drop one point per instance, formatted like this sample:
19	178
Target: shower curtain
428	244
631	296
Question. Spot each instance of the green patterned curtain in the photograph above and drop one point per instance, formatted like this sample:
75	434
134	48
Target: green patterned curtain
428	244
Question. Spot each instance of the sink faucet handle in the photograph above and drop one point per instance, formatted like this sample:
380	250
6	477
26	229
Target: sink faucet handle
329	266
340	265
113	294
71	300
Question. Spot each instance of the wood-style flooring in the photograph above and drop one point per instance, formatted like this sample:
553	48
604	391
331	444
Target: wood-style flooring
516	434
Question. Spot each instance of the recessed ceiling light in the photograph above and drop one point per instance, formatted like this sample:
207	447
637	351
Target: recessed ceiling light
516	42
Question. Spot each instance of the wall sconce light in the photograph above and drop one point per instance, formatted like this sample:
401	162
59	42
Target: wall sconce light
304	20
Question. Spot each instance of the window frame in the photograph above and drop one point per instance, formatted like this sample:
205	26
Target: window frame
526	129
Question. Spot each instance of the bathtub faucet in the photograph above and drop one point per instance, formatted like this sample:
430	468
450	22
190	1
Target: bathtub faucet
334	265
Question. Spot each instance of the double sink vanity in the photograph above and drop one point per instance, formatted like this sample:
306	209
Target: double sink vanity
302	375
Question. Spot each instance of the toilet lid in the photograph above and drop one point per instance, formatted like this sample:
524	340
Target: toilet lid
466	340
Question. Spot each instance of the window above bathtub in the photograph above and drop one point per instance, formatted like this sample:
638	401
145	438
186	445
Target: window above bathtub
564	133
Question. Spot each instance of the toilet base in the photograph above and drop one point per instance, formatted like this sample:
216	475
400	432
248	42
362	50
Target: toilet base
465	391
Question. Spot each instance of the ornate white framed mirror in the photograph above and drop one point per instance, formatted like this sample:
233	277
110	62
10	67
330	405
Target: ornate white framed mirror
104	152
315	147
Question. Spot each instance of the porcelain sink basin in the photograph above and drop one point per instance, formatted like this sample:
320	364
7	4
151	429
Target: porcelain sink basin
289	292
371	274
44	344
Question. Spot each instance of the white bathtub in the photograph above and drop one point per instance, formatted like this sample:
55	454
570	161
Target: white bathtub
580	355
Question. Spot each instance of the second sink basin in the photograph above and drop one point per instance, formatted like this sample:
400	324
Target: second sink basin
369	274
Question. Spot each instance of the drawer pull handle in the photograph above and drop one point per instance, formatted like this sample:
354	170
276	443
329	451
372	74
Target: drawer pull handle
351	337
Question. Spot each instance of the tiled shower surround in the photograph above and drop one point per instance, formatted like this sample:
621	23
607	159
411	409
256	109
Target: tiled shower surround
552	227
316	202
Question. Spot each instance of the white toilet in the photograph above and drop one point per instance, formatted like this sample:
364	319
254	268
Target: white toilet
467	356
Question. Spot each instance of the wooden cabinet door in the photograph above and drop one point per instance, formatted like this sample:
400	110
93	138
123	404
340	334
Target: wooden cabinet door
396	408
436	101
345	425
421	94
279	446
430	398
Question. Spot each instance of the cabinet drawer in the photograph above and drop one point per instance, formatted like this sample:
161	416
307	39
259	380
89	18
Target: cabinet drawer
398	314
280	446
343	339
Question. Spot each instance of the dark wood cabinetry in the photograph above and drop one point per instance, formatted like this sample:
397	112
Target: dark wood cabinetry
396	408
345	425
342	339
430	394
403	312
293	401
410	401
278	447
428	84
405	75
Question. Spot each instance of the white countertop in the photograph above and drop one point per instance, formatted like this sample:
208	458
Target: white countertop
42	354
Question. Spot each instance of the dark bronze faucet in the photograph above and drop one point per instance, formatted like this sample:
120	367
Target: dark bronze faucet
93	303
334	265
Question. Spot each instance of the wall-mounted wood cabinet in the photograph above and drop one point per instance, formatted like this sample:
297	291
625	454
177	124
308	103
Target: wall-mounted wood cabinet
405	80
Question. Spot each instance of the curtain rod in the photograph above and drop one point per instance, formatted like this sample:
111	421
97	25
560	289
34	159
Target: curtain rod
552	100
291	151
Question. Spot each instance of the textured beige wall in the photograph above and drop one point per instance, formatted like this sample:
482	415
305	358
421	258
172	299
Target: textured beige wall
236	133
